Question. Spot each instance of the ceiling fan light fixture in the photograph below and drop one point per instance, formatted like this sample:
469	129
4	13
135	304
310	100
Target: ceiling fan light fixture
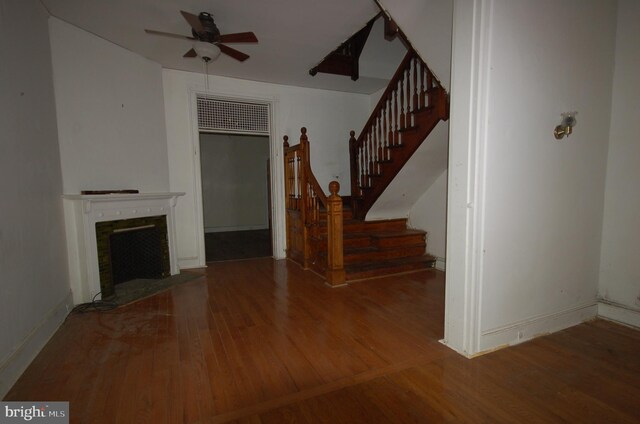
207	51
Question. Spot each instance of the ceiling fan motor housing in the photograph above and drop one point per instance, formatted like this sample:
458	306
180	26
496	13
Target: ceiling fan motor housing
210	32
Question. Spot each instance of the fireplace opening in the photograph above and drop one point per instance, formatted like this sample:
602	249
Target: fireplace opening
131	249
135	253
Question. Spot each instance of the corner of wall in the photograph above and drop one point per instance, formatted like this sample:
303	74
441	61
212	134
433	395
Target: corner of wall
618	312
17	362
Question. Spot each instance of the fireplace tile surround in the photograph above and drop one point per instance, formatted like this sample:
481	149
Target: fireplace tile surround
82	212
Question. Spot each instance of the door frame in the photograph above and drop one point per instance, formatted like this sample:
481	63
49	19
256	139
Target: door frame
278	235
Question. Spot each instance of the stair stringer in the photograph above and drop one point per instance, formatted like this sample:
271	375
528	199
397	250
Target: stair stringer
416	176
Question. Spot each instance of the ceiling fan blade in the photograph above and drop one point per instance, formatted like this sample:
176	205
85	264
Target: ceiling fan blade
193	20
190	53
240	37
168	34
238	55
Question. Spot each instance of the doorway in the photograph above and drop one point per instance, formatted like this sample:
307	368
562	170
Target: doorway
236	206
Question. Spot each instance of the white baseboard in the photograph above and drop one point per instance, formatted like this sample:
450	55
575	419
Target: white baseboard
534	327
13	366
190	263
236	228
618	312
440	264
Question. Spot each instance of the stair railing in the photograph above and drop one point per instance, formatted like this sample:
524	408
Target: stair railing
412	89
305	203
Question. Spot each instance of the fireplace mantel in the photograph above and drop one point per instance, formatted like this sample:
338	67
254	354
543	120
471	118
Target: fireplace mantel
82	212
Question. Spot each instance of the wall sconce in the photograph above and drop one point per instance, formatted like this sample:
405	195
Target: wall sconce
566	126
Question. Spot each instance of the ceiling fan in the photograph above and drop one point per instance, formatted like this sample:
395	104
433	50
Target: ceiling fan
204	30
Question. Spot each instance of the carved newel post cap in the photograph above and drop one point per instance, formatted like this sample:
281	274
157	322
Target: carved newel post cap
334	188
286	141
303	130
352	133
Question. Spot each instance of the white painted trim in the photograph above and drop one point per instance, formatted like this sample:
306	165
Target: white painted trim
471	47
191	262
12	367
440	263
82	212
277	175
533	327
618	312
235	228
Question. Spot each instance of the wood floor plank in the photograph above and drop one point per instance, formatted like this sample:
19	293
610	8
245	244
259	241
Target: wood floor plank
263	341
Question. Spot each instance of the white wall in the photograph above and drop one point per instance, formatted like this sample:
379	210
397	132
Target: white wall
234	182
35	287
110	114
430	213
428	25
525	210
620	268
328	116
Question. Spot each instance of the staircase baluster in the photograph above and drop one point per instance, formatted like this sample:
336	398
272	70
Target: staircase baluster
429	88
403	122
385	134
369	145
415	85
376	146
396	138
423	105
390	128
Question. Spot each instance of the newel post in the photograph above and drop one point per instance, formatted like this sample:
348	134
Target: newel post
335	258
355	172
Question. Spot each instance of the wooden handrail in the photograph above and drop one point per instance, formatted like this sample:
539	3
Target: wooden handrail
305	200
410	107
391	87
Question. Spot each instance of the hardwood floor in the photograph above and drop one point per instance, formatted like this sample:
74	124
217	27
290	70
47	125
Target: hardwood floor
263	341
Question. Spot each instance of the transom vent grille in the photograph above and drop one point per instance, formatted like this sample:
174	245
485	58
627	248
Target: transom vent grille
232	116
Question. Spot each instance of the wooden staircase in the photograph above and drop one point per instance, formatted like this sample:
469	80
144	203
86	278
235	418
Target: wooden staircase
329	234
373	248
409	109
323	235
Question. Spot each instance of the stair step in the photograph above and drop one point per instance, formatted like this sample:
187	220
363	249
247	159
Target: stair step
399	238
357	226
384	268
370	254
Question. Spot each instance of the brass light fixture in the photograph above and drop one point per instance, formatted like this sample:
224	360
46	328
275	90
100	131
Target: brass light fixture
566	126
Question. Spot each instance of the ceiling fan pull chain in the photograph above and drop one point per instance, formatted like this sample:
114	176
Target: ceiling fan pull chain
206	75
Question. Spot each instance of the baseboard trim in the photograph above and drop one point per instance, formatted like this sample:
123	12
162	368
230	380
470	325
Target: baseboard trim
236	228
618	312
528	329
17	362
440	264
190	263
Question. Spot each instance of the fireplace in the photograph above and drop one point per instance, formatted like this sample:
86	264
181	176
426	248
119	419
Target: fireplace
131	248
113	238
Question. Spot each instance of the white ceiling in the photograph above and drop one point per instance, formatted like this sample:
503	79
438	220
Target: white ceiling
294	35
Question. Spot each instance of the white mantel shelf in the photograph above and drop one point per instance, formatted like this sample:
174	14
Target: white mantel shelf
83	211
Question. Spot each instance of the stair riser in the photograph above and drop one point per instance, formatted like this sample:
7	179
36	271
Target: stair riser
379	255
395	269
347	242
350	227
405	240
